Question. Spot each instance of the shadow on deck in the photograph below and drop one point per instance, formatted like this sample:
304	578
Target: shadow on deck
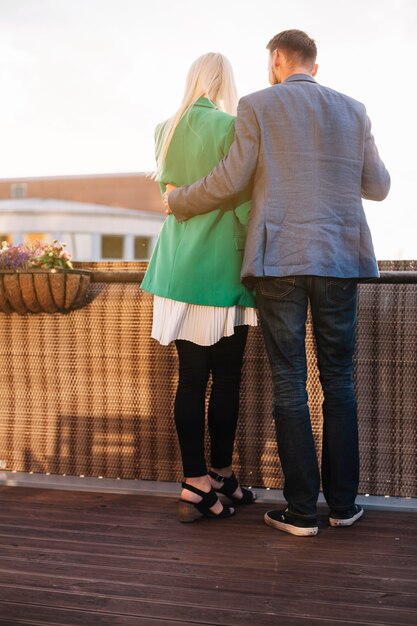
73	558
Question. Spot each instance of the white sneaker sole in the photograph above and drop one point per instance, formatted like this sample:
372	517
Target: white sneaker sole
333	521
289	528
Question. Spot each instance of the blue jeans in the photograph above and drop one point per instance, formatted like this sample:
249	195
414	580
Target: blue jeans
283	305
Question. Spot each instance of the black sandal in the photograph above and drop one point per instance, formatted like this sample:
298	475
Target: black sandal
190	511
229	487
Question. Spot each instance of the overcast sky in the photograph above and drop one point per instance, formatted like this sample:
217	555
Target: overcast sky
84	82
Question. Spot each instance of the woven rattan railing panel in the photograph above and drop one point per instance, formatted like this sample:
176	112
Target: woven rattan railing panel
89	393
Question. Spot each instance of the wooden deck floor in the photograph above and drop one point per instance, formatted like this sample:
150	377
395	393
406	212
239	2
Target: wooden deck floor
92	559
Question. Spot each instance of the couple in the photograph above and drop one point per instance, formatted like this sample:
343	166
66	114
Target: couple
304	155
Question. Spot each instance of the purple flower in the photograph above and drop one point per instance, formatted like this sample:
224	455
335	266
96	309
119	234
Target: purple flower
34	255
15	257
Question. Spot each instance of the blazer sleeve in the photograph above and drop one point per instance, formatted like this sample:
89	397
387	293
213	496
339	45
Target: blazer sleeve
229	138
231	177
376	180
241	203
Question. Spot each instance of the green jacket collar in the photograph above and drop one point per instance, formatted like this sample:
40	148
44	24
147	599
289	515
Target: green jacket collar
205	102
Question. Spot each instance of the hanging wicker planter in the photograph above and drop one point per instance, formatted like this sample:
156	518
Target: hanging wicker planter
43	291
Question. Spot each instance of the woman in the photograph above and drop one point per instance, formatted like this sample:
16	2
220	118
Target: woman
199	301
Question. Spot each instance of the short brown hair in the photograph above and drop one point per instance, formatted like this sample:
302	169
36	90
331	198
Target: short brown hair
295	44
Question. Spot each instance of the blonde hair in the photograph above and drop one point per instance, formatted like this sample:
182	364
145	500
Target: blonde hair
210	76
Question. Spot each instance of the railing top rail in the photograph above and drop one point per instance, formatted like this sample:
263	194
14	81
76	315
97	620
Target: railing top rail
133	276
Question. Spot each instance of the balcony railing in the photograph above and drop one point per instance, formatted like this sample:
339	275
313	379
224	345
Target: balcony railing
90	393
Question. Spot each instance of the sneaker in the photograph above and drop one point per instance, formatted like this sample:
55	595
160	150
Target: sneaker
345	518
283	520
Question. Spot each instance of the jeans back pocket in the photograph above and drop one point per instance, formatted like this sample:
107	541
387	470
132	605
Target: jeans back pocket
277	287
341	290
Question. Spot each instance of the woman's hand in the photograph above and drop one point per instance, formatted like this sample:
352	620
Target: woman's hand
168	190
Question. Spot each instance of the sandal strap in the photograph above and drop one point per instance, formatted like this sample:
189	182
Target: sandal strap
230	484
217	477
208	498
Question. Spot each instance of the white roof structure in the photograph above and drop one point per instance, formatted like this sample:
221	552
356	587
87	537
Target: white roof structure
48	214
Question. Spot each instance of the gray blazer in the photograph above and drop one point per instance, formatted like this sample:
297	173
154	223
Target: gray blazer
310	155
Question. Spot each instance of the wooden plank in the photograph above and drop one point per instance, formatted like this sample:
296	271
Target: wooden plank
285	554
13	614
101	557
287	551
17	614
234	577
255	611
374	523
200	591
195	548
182	575
128	506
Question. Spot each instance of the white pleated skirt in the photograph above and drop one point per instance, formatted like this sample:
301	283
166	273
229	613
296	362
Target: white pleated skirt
203	325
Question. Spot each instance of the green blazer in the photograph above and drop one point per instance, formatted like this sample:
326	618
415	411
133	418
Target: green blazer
199	260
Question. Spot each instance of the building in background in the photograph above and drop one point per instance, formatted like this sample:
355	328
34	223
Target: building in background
101	217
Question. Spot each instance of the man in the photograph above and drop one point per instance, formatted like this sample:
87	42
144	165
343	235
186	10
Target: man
309	153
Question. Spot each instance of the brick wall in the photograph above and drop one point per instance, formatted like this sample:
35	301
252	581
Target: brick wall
131	191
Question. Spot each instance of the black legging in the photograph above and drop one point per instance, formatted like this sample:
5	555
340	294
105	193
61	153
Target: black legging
224	360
